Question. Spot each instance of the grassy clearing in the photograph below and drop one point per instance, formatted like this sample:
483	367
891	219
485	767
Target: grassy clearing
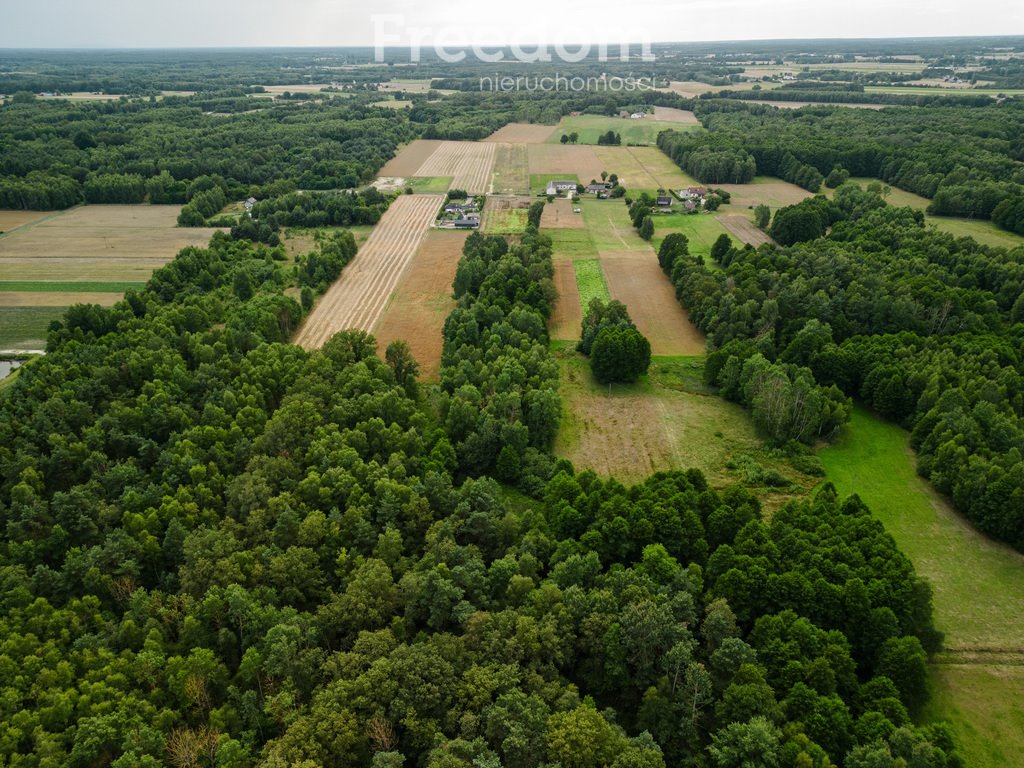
589	127
507	221
982	705
48	286
700	229
429	185
610	227
590	281
572	243
25	327
511	170
979	585
667	420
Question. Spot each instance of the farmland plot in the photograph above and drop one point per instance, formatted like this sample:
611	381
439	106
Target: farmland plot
358	298
469	163
574	161
505	215
522	133
423	300
559	214
410	158
743	229
511	176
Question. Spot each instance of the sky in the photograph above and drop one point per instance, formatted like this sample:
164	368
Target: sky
252	23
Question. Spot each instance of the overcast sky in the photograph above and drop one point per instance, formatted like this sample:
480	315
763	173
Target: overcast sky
179	23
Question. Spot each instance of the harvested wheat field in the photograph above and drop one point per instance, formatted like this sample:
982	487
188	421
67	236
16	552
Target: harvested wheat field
423	299
567	315
13	219
469	163
410	158
97	243
559	215
571	159
638	282
511	170
359	296
522	133
673	115
57	298
744	229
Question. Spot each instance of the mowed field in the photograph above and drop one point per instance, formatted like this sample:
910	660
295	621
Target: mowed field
743	229
673	115
559	214
358	298
511	170
469	163
643	169
644	130
90	254
773	192
505	215
421	303
521	133
978	588
13	219
559	160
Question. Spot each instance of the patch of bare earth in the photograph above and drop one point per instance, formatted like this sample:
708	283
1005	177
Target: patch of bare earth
522	133
410	158
744	229
423	299
637	281
358	297
559	215
566	316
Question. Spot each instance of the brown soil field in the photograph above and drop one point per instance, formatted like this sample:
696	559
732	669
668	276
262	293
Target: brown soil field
522	133
566	316
559	215
575	160
359	296
56	299
638	282
469	163
511	175
744	229
98	243
410	158
423	300
10	220
673	115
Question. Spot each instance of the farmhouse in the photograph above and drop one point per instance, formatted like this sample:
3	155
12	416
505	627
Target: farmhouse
249	203
689	206
636	116
467	223
460	208
664	201
692	193
597	187
557	187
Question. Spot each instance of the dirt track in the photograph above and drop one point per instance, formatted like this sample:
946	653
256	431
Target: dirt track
359	296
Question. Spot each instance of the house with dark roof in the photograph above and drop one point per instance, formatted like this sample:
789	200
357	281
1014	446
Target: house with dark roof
664	201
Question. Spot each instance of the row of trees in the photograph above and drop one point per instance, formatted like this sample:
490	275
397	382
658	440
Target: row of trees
708	158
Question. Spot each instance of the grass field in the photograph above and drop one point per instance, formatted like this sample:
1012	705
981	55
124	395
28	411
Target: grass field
700	229
925	90
505	215
978	589
55	286
643	131
590	282
773	192
429	185
511	170
667	420
643	169
985	232
569	161
25	327
572	243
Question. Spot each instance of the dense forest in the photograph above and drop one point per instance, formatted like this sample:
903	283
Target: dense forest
923	327
223	550
969	161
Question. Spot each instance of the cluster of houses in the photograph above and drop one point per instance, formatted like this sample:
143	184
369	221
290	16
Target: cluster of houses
464	214
692	198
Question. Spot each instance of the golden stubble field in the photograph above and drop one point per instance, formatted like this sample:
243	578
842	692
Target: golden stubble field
96	243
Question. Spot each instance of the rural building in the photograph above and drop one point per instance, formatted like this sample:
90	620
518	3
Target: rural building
692	193
249	203
664	201
467	223
636	116
689	206
559	186
598	187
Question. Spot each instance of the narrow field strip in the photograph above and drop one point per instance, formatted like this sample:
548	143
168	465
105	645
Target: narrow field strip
47	286
590	282
357	298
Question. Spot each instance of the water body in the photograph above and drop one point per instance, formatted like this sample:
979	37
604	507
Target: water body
7	367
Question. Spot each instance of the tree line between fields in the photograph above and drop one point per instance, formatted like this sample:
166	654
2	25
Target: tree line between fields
221	549
968	161
923	327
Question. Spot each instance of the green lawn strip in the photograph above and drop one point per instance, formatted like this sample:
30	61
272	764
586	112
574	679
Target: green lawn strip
590	281
701	230
46	286
572	243
25	327
429	185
